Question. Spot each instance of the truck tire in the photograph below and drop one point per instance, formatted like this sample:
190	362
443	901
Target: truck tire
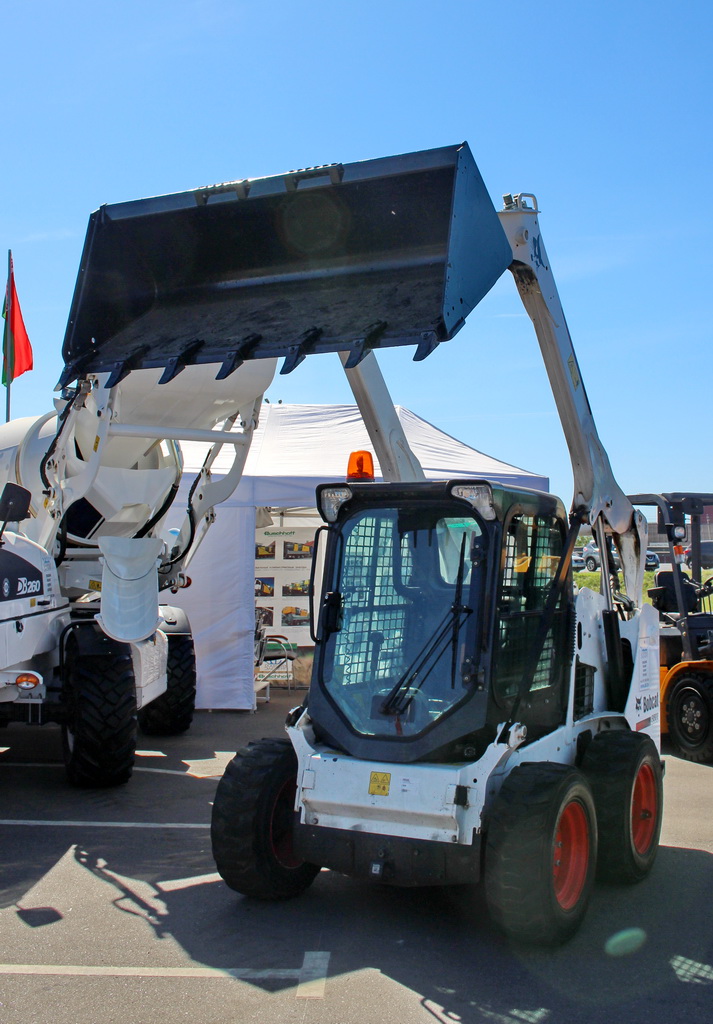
690	716
541	853
251	828
624	769
172	712
99	726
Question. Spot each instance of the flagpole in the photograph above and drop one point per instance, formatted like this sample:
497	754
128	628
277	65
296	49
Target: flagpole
8	322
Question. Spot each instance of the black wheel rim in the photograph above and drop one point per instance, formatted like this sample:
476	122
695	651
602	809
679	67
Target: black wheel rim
281	822
692	717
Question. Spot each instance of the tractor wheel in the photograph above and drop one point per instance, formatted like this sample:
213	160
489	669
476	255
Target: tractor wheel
251	828
541	853
172	712
590	564
624	769
99	726
690	716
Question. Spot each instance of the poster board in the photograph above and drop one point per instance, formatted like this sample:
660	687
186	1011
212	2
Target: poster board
283	562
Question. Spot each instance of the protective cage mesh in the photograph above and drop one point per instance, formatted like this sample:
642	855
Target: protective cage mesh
533	547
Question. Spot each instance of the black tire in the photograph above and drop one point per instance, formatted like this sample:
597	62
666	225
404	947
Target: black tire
689	709
251	828
624	770
541	853
172	712
591	564
99	722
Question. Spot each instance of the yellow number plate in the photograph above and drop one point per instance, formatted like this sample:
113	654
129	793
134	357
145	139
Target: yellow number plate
95	585
379	783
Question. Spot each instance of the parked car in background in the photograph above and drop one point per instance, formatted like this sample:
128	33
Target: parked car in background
706	555
577	560
592	559
652	560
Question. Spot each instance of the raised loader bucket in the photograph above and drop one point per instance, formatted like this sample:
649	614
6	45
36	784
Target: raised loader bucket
395	251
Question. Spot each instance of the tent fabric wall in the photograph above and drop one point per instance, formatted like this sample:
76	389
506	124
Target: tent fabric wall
295	447
221	608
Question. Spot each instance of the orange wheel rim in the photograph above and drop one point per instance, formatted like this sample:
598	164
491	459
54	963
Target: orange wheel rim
644	808
571	855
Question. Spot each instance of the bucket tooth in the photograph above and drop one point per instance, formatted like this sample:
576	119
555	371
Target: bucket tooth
123	367
177	363
236	357
297	352
362	346
426	345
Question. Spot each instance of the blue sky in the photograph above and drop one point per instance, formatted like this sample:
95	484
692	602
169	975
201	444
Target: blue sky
601	109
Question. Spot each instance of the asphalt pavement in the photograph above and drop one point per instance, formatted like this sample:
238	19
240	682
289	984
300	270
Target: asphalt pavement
111	911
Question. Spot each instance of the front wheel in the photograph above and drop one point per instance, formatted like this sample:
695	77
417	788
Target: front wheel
624	769
591	564
690	716
99	726
541	853
252	823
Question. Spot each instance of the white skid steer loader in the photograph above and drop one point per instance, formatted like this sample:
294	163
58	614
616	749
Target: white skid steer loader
469	715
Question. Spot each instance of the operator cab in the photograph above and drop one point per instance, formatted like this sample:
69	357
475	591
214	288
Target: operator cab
431	595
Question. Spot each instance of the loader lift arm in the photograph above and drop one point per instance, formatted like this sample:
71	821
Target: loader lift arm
597	497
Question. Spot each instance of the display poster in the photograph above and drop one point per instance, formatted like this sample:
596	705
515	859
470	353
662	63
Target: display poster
283	561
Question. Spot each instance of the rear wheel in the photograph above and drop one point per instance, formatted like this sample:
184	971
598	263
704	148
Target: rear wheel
99	727
172	712
590	564
541	853
690	716
252	823
624	769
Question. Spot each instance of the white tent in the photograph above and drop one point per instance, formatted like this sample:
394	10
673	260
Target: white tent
295	447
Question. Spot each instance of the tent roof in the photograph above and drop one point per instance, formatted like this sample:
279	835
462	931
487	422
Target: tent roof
297	447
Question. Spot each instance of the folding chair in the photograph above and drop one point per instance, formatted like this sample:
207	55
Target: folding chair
279	652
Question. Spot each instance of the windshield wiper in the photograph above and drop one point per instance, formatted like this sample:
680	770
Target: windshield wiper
399	698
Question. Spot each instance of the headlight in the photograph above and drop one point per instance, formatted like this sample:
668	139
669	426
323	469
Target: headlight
331	500
480	496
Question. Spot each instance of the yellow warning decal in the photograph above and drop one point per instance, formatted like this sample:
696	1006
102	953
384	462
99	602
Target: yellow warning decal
95	585
379	783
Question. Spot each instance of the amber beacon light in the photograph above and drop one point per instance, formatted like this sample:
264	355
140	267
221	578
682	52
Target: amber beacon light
361	466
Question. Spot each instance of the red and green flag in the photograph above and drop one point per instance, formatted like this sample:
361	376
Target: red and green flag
16	348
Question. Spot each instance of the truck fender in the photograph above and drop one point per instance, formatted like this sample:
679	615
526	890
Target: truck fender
174	620
90	639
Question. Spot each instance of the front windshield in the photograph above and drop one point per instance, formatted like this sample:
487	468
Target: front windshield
406	582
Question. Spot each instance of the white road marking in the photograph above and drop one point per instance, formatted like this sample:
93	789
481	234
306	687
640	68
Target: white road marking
310	978
137	768
147	972
313	976
104	824
210	767
31	764
174	884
